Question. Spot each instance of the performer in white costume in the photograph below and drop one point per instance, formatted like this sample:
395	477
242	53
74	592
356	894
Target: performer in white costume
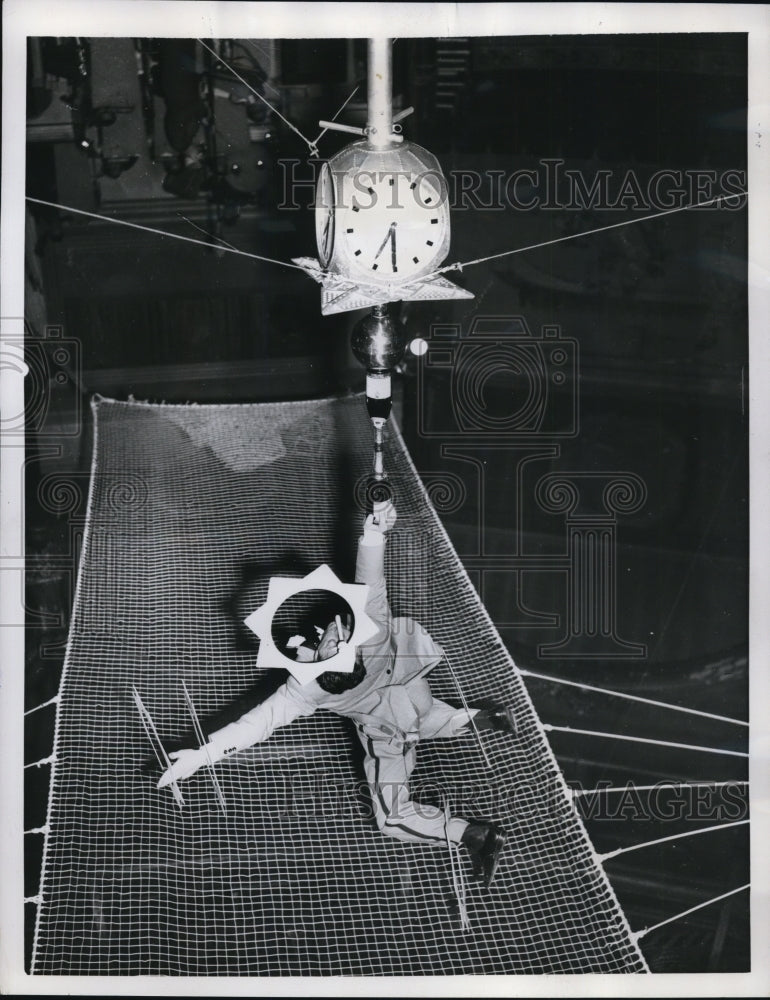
388	698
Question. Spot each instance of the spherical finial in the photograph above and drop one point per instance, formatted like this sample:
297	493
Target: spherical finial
378	340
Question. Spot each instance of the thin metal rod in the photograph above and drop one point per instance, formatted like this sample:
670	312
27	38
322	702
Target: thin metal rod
151	731
339	127
380	92
204	746
471	719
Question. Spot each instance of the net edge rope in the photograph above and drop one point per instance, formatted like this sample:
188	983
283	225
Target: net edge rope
62	682
548	750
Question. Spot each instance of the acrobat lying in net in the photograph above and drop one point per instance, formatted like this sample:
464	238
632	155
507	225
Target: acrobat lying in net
387	697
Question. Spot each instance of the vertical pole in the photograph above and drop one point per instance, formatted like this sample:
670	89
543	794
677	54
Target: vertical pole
380	92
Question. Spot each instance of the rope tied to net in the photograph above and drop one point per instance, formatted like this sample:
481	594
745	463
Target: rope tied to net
41	762
673	836
37	829
51	701
631	697
677	916
640	739
632	786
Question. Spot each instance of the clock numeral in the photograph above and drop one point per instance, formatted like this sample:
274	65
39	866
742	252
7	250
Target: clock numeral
429	242
358	253
434	222
348	230
374	267
416	260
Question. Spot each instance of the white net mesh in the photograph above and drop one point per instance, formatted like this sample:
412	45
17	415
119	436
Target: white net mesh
192	510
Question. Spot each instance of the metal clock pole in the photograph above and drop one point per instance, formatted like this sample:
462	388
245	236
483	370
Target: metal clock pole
379	94
378	340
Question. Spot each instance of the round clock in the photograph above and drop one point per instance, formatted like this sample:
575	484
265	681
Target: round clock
382	216
324	214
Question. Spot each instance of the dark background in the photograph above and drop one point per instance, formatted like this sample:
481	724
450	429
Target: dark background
150	132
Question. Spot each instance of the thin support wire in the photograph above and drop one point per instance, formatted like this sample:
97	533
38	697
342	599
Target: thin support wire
258	48
673	836
311	146
213	236
334	118
576	792
631	697
161	232
684	913
474	727
156	743
205	747
589	232
641	739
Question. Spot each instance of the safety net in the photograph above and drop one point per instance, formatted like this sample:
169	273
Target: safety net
191	510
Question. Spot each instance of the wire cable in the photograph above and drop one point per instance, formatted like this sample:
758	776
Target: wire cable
589	232
160	232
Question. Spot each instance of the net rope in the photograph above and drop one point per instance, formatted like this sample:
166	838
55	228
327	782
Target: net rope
191	510
641	739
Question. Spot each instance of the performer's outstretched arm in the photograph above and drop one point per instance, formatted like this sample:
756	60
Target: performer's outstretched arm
370	562
255	726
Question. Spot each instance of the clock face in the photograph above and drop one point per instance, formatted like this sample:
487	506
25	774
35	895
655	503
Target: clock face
324	215
395	225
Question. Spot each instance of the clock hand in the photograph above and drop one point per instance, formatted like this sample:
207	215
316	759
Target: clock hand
384	242
393	247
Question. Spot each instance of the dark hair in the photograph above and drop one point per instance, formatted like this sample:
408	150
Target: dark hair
337	681
300	613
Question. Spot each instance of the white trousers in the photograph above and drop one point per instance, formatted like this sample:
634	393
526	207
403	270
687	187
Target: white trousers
388	765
